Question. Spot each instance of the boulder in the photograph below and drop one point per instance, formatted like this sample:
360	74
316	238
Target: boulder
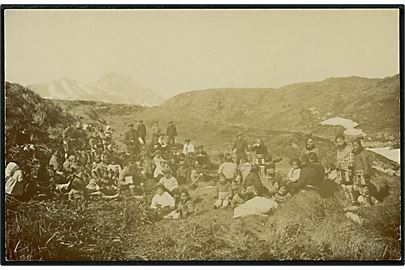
255	206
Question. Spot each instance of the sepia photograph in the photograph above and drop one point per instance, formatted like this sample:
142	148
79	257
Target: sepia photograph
202	134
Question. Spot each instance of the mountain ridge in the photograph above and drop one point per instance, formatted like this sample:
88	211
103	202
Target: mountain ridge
110	87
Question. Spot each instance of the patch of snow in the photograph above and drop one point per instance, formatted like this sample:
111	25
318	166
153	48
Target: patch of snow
391	154
349	125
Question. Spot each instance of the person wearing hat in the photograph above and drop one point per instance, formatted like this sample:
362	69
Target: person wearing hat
240	147
155	132
169	181
188	148
141	128
171	133
345	158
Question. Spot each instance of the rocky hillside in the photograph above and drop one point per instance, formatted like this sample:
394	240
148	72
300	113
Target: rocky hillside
31	119
373	103
111	88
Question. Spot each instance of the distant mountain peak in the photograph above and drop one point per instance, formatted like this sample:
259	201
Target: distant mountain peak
111	87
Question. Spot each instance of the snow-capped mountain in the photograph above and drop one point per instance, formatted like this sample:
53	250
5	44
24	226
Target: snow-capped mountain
110	88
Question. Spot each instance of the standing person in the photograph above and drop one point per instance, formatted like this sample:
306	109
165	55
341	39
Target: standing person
142	130
240	147
171	133
362	172
130	139
188	148
244	169
345	158
261	152
309	147
155	132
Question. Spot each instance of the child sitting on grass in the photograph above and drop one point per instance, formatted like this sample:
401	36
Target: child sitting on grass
182	173
223	192
184	208
162	202
239	191
282	195
294	173
196	175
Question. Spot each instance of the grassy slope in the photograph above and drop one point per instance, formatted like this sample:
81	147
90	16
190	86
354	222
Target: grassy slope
306	227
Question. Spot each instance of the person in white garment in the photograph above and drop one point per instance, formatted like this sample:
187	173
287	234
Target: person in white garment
163	202
188	148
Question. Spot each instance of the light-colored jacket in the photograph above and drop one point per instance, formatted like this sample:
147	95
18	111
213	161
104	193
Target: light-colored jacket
14	180
188	148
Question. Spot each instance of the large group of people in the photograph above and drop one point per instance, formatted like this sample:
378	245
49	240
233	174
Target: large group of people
88	165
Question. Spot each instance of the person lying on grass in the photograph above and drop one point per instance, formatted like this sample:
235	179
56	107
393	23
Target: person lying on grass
185	207
162	202
223	192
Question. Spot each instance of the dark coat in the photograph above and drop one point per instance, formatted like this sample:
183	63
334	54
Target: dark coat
362	162
171	131
320	171
308	176
141	130
261	150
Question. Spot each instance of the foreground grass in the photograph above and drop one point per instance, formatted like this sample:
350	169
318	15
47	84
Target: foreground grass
307	227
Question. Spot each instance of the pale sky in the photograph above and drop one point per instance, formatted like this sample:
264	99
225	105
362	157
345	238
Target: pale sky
173	51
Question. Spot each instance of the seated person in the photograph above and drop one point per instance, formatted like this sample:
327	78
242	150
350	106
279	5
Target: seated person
223	192
282	195
254	186
126	177
15	182
169	182
182	173
228	169
158	165
201	156
294	172
308	177
162	202
184	208
317	166
331	173
271	180
196	174
147	166
239	193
